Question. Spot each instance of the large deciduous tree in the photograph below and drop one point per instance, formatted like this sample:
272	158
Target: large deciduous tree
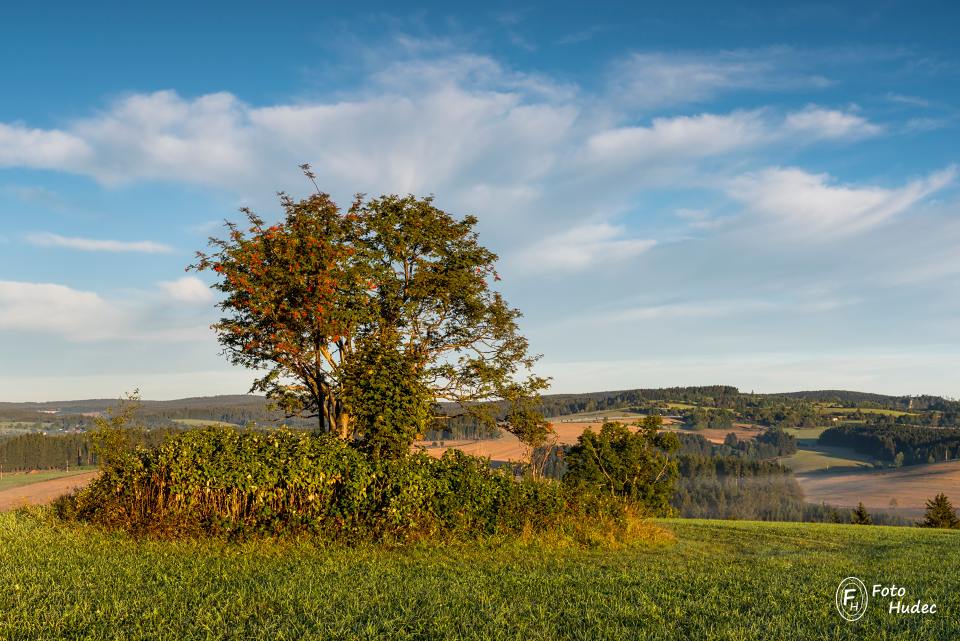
395	275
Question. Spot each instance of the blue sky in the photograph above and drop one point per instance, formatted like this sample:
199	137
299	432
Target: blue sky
684	194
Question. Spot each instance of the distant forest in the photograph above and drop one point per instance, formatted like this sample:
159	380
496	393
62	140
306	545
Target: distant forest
792	409
897	444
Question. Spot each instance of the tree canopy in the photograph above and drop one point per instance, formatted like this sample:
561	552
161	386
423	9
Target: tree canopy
635	465
391	273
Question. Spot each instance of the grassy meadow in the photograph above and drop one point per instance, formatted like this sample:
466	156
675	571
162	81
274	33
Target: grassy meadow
710	580
824	458
20	479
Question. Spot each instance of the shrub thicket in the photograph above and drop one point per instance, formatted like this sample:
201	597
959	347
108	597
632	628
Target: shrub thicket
227	482
634	465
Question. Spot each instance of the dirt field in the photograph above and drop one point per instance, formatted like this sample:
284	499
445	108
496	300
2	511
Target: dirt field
508	448
42	492
910	487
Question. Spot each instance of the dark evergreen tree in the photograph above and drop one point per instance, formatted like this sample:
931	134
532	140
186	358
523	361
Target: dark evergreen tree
860	516
940	513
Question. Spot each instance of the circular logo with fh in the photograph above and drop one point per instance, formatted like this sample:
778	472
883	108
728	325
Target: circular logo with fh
852	598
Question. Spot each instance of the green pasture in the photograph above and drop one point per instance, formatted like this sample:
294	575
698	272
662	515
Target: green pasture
718	580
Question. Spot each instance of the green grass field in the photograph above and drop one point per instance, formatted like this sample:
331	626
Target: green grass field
825	409
820	458
806	433
719	580
20	479
599	415
202	422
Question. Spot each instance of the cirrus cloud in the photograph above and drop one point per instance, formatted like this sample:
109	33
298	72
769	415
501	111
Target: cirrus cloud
89	244
808	204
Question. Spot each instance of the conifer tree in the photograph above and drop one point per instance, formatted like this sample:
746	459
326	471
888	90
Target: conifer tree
860	516
940	513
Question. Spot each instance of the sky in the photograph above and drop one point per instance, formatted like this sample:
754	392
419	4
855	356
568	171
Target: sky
679	193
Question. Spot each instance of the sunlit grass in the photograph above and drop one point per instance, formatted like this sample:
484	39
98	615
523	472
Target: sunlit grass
19	479
819	458
719	580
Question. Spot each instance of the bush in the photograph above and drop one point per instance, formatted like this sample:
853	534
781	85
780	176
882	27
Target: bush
636	466
235	483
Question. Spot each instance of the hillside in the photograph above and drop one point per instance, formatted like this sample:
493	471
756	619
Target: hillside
65	582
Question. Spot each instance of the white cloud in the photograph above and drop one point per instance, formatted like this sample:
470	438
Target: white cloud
911	101
418	126
581	247
729	307
677	311
188	289
829	124
90	244
57	309
41	148
654	80
84	316
669	139
809	204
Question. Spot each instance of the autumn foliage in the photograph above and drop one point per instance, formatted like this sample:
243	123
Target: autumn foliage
393	273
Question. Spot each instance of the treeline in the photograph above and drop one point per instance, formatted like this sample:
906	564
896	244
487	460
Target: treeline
773	443
897	444
563	404
847	398
43	452
701	419
735	487
778	413
461	427
949	416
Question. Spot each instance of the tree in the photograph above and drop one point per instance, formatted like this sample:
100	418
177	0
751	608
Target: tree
860	516
525	420
637	466
940	513
383	393
302	296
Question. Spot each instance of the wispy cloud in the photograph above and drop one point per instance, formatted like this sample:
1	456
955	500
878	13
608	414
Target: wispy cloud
911	101
583	246
655	80
93	245
704	135
827	124
811	205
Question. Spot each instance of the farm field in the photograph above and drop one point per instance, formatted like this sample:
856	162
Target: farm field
863	410
43	491
744	432
79	583
910	487
508	448
600	415
19	479
824	458
202	422
810	434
